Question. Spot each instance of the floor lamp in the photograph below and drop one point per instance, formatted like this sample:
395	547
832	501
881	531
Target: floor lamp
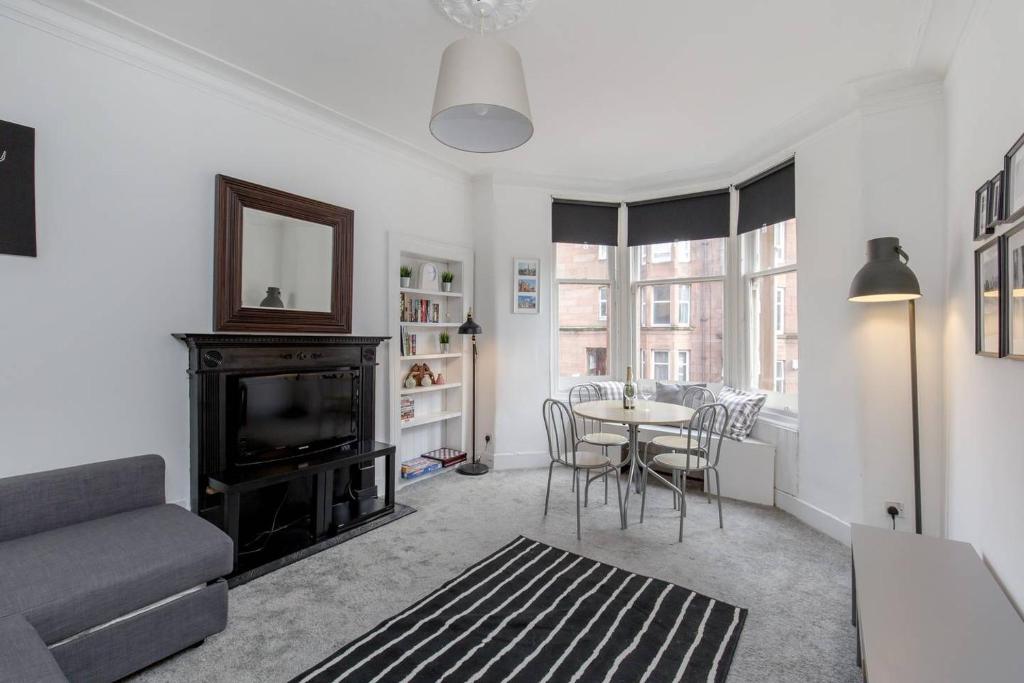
886	277
474	467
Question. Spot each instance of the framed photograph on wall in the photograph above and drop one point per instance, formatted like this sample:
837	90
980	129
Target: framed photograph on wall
525	285
988	311
1013	293
1013	181
997	203
17	189
983	211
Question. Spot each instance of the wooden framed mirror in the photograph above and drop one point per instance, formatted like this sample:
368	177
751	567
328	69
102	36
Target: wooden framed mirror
282	263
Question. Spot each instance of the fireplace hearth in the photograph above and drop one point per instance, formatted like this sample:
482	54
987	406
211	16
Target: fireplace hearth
282	451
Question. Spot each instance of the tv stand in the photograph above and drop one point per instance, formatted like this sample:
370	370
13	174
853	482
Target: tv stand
332	512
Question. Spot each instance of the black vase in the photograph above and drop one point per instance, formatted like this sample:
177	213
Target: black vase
273	298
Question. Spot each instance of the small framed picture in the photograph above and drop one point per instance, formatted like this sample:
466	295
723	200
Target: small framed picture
525	285
1013	293
1013	181
983	211
996	201
988	311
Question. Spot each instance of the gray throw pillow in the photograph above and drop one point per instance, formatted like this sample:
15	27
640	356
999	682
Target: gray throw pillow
669	392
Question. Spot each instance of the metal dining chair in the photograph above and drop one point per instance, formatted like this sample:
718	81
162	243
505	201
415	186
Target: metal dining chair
591	431
563	447
693	398
699	454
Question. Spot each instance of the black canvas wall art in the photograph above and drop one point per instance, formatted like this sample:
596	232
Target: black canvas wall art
17	189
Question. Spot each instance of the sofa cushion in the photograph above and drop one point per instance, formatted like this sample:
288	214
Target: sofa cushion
24	657
70	579
54	499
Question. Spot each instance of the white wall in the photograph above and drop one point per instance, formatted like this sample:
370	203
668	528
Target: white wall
985	108
126	160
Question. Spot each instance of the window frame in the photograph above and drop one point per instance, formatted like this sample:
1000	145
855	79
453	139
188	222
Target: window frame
682	354
783	407
602	303
779	311
681	320
637	304
667	364
667	302
560	384
662	255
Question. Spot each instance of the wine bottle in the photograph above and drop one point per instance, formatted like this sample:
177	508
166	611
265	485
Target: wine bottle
629	390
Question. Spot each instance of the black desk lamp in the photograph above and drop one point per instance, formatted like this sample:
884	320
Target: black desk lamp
474	467
886	277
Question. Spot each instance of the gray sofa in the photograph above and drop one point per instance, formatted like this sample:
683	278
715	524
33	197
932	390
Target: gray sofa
99	577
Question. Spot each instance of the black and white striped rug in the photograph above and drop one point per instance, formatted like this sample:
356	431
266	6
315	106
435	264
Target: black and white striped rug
532	612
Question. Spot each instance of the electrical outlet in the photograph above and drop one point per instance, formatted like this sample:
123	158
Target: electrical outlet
898	506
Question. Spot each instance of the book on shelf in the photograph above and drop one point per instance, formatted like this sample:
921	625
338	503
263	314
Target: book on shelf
418	310
417	467
448	457
408	409
408	343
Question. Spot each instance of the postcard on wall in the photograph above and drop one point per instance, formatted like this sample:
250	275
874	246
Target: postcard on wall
525	285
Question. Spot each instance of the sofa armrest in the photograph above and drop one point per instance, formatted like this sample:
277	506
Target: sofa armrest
37	502
24	657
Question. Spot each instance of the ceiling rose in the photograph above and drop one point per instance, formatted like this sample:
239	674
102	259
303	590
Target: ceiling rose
486	15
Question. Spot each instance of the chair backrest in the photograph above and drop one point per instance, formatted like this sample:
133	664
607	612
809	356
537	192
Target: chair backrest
701	429
695	397
584	393
561	430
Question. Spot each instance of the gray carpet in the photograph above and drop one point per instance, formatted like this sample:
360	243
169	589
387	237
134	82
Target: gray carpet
794	580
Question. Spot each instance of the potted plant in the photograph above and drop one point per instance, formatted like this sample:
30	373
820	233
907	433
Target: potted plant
405	275
444	339
446	280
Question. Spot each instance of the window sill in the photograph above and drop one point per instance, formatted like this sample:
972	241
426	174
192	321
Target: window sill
780	417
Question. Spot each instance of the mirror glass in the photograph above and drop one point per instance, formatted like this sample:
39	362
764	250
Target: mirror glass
286	262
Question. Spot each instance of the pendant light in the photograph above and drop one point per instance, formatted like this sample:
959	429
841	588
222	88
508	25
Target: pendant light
481	104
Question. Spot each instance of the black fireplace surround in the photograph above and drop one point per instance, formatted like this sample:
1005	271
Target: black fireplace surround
282	449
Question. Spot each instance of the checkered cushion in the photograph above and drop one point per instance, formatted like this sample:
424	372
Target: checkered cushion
743	407
610	391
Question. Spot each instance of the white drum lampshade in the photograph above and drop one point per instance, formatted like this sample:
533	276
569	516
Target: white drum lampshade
481	104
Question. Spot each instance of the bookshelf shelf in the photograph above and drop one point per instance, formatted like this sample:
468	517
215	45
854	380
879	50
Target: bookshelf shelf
431	418
428	293
434	325
431	356
434	387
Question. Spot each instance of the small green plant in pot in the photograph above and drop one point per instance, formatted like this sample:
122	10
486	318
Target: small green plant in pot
447	277
405	275
443	339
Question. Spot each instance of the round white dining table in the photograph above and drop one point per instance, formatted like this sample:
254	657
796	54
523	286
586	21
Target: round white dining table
645	413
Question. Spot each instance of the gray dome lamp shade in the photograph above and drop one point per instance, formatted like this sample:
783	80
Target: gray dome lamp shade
481	104
886	276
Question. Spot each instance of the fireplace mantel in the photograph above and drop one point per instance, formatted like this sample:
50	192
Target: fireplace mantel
219	365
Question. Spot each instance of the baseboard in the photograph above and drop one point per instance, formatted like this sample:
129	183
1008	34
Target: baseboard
521	461
814	517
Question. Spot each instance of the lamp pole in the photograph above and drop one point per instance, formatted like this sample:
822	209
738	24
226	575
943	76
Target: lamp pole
473	467
917	430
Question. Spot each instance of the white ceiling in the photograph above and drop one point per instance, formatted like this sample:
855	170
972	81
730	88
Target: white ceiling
619	90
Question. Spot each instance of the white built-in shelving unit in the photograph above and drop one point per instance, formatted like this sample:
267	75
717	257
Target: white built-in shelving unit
442	410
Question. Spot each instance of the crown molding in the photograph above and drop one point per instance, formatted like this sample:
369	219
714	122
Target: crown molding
87	24
96	28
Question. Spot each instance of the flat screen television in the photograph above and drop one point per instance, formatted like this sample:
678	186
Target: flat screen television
285	416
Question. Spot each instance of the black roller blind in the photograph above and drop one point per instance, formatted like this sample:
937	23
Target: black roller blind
768	198
699	216
579	222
